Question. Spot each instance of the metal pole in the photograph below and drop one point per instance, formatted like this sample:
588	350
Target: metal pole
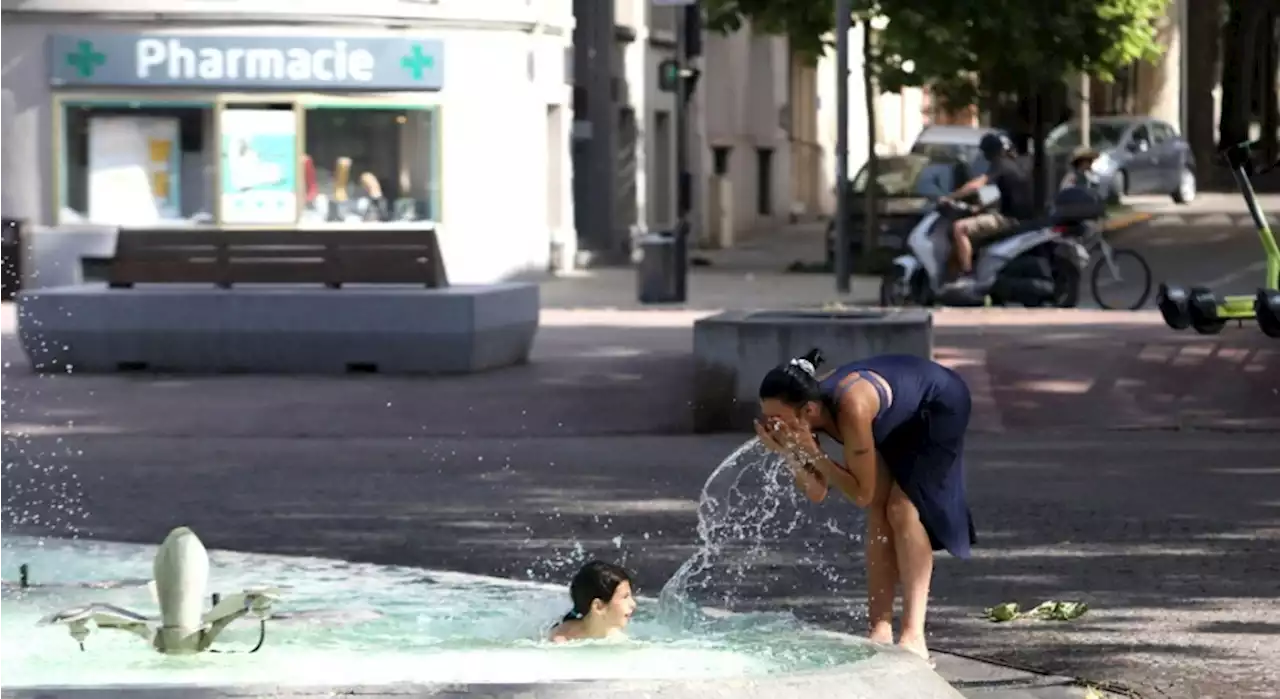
684	189
1084	108
1184	65
683	194
844	18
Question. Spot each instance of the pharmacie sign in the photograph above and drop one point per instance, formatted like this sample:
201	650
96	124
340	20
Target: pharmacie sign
246	62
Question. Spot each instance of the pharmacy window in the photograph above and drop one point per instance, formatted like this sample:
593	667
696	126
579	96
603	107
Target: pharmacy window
368	164
137	163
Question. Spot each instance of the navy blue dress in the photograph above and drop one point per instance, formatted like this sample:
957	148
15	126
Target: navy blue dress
919	431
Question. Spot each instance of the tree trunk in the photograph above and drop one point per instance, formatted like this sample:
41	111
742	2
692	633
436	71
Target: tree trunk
871	215
1239	41
1266	81
1039	165
1203	42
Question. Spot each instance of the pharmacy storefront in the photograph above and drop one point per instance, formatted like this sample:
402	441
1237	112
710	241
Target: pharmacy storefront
152	129
244	130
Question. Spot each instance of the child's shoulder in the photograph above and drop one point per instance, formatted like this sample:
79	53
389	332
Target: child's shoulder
565	631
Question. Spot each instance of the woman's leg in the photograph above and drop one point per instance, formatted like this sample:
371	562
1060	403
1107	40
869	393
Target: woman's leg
882	562
915	566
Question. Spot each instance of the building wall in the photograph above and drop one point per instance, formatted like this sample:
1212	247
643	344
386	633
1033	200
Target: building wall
744	106
900	117
654	41
505	107
1159	84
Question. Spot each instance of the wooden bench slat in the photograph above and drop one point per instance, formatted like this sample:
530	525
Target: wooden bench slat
329	257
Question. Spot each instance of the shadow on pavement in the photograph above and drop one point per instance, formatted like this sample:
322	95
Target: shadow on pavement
1170	537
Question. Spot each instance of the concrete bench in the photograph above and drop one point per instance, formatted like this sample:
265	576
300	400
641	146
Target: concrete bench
276	301
733	351
278	329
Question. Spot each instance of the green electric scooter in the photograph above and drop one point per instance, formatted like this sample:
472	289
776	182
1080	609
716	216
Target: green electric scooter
1198	307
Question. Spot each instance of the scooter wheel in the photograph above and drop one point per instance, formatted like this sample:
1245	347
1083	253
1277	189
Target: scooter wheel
1202	306
1172	302
1266	308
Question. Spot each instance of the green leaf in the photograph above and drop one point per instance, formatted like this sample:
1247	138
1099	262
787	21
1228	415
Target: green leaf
1007	611
1045	611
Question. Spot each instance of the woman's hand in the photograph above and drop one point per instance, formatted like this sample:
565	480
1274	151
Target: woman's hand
767	430
796	441
784	439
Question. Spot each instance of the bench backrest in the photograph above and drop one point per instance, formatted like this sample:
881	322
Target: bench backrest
229	257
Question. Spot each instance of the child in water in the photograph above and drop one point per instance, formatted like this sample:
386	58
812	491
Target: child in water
602	604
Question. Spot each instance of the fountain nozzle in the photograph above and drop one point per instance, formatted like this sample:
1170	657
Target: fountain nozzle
181	578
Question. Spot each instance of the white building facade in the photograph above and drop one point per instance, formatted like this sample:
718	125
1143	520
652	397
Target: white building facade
227	113
767	119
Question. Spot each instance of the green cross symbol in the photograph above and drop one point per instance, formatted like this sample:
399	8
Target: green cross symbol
417	62
85	59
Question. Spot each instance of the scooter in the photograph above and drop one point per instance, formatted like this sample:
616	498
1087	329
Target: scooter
1039	263
1198	307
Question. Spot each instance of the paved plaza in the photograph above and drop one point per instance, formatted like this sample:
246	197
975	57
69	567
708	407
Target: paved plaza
1112	461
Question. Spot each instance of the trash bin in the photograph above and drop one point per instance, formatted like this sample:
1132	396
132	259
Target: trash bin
662	273
11	246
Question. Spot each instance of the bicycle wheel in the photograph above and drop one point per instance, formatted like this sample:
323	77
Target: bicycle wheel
1128	276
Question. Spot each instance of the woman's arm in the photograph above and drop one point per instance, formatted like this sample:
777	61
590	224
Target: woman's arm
809	480
857	477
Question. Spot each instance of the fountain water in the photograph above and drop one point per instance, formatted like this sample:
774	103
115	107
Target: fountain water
344	625
750	509
358	623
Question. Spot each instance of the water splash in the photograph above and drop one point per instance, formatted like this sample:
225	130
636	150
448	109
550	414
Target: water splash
756	531
42	491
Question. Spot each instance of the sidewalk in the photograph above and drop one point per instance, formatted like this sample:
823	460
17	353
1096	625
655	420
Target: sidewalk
713	288
1169	535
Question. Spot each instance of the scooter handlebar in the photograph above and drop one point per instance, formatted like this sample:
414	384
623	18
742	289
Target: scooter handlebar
956	207
1239	157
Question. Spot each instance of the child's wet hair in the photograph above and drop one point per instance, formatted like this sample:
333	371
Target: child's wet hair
596	580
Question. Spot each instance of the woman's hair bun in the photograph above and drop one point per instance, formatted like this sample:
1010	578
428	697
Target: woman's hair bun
808	362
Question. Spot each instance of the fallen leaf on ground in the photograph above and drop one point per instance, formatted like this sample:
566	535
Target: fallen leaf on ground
1045	611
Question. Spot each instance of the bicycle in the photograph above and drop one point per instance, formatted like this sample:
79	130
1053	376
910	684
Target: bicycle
1110	260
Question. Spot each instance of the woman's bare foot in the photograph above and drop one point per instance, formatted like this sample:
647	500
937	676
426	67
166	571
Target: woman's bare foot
881	633
916	645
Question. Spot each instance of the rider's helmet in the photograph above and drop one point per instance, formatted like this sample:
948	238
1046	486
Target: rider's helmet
994	144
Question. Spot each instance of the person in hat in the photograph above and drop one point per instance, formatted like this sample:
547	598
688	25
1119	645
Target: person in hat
1081	173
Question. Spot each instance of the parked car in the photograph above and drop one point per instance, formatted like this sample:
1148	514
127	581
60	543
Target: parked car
960	142
941	159
1138	155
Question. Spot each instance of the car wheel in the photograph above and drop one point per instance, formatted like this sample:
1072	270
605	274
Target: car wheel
1119	183
1186	191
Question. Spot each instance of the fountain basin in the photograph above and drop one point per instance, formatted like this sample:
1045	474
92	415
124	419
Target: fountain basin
399	631
733	351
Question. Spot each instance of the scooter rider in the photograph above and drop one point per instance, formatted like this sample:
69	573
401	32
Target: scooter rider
1016	194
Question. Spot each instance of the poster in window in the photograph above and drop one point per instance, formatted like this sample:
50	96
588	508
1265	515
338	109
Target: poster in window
259	167
134	170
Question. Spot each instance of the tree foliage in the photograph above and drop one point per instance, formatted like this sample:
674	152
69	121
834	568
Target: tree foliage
963	48
807	23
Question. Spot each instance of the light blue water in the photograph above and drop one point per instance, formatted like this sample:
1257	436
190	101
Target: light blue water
383	625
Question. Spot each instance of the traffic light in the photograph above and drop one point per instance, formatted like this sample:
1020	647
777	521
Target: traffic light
673	78
669	75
